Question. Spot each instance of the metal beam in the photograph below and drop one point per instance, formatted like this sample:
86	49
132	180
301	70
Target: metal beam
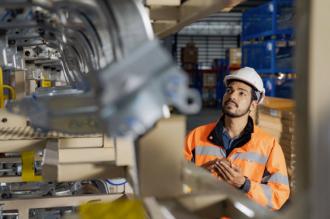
193	10
164	13
163	2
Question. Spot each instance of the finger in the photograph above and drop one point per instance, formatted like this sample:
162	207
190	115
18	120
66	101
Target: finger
225	165
228	169
212	162
206	164
220	173
211	168
224	160
235	167
223	177
217	169
225	172
209	163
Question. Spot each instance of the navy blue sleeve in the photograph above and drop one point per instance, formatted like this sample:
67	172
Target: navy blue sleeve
246	186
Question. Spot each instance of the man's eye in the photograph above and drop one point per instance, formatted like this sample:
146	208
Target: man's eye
241	93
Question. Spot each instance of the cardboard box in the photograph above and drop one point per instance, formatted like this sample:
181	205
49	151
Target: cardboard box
276	116
234	56
160	158
189	54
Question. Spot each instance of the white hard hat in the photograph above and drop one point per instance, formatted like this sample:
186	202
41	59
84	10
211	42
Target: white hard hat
249	76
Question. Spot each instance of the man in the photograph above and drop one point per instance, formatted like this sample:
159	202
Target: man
238	152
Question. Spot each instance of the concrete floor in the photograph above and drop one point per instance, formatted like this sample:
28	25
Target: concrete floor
205	116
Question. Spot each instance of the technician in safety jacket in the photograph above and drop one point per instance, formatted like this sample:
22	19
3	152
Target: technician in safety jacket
235	150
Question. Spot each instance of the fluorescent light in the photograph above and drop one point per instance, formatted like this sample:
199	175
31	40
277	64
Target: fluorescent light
245	210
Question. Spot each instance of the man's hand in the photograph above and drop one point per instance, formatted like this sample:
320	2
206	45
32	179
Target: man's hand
209	166
229	172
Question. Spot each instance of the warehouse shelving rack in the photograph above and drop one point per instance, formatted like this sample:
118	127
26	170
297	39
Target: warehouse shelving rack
274	18
268	45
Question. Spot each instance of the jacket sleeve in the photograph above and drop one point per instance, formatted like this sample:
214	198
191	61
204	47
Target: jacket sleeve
189	148
273	190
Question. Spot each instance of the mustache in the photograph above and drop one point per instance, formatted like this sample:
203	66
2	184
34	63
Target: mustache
231	101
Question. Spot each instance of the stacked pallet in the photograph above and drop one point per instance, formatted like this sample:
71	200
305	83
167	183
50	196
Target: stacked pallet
276	117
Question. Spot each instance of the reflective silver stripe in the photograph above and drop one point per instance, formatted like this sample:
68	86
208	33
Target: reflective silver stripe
210	150
251	156
235	156
279	178
268	193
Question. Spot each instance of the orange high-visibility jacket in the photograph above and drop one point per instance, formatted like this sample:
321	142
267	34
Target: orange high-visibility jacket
258	155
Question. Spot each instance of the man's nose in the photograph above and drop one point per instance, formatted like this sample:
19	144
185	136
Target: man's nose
232	96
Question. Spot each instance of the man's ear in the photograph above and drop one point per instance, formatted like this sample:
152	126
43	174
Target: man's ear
253	110
254	105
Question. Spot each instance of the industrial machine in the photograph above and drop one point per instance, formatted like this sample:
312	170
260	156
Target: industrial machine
86	91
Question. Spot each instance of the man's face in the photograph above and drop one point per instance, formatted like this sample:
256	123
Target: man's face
237	100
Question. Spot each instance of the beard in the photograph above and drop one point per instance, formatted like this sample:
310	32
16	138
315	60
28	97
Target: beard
235	114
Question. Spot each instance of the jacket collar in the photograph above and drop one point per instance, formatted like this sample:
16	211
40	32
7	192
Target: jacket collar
215	136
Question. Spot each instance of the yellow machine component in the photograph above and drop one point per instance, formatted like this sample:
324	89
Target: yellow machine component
2	87
12	91
129	209
46	83
28	173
